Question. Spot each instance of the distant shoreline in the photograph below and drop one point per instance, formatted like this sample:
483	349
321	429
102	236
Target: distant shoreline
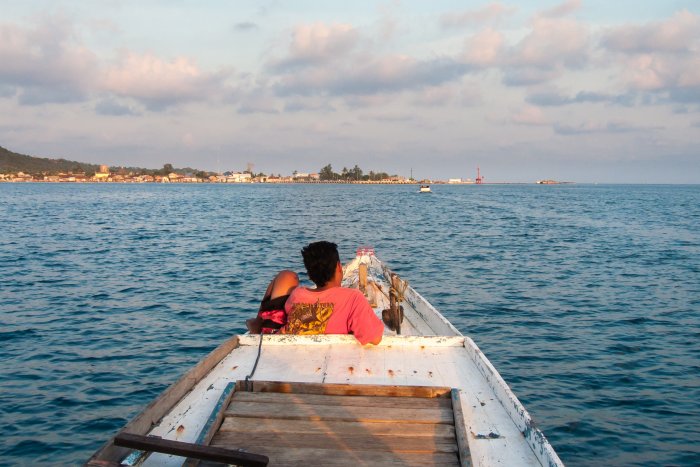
329	182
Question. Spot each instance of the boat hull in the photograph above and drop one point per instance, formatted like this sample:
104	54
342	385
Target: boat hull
430	352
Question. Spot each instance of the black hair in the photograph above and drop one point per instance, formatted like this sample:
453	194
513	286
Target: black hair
320	260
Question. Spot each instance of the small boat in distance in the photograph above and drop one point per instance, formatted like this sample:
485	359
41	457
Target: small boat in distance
424	189
425	395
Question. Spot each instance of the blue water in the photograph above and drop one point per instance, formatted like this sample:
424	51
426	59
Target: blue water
585	298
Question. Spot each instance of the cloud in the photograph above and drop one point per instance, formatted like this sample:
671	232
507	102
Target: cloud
387	118
658	72
298	105
326	60
685	95
7	91
659	58
317	44
46	62
527	76
598	127
470	94
554	99
158	83
436	96
246	26
488	14
531	116
388	22
552	46
484	48
552	42
259	100
679	33
392	74
112	107
562	9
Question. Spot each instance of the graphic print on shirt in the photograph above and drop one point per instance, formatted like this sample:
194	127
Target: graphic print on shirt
309	318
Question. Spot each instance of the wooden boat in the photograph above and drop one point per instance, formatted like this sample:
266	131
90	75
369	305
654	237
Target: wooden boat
426	395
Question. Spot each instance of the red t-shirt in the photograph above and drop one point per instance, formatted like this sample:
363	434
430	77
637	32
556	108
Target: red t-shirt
337	310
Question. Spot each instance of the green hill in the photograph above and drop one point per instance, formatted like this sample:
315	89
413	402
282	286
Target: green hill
11	162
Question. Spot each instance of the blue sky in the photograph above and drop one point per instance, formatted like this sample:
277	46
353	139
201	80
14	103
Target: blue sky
586	91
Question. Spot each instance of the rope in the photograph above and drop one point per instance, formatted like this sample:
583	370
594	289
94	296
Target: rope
248	383
399	291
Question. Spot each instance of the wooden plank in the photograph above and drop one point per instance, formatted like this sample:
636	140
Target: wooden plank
142	423
257	442
348	414
217	415
214	421
256	425
342	401
328	457
465	458
178	448
348	389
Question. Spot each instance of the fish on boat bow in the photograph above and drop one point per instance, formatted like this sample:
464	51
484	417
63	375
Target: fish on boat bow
425	395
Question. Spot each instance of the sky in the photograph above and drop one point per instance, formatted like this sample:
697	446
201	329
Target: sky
580	90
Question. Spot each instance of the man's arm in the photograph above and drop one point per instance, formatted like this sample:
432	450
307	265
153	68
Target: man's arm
364	324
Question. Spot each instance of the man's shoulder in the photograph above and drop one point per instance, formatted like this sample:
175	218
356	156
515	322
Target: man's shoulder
334	294
348	292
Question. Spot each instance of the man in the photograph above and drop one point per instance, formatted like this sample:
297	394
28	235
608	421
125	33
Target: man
330	308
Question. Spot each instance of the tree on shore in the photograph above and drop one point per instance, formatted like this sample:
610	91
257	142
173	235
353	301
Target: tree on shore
326	173
354	174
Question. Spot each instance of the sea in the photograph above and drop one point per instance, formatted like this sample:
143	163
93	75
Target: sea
586	298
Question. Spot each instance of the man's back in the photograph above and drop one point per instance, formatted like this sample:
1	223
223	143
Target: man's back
335	310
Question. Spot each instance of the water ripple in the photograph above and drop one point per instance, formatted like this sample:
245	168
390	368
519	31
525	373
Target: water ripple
586	298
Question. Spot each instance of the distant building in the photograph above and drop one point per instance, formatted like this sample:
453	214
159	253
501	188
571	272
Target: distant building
102	175
22	177
189	178
454	181
238	177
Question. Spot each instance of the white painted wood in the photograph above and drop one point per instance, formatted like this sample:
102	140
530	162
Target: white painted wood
249	340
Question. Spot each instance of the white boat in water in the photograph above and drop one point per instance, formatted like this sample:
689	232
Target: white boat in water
426	395
424	189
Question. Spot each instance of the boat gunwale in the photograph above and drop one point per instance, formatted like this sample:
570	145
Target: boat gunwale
151	415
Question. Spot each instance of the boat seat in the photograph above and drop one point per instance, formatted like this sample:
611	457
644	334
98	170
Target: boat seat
196	452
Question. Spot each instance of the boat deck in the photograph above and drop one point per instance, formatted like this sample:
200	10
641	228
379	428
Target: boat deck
401	361
320	424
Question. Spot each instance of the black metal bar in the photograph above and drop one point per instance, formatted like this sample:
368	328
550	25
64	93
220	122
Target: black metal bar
195	451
